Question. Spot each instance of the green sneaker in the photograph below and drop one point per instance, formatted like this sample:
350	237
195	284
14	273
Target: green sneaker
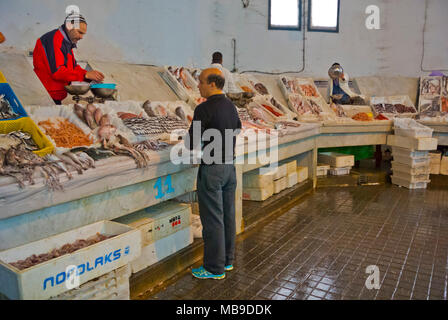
228	268
201	273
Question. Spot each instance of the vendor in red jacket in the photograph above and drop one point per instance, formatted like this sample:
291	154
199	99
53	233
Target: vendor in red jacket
53	59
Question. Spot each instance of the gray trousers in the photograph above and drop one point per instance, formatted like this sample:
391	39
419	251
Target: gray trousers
216	186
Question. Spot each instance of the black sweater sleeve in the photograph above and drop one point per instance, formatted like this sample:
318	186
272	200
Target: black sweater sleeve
199	121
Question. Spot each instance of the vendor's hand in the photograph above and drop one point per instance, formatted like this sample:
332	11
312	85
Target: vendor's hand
94	75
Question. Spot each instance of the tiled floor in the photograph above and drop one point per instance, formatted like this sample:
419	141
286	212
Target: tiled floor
320	249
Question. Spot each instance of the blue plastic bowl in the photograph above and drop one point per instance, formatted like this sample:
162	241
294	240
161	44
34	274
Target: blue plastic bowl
104	85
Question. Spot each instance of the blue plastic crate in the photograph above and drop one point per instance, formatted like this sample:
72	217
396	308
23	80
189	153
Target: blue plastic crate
16	106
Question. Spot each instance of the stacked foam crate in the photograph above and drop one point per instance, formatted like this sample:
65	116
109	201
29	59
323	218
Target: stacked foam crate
435	161
410	168
165	229
340	164
285	176
302	174
294	174
262	183
280	178
111	286
258	185
444	165
410	150
322	170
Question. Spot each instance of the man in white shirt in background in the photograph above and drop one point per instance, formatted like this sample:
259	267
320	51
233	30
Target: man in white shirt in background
229	85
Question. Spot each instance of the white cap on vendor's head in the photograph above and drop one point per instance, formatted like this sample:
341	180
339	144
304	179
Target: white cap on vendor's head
75	18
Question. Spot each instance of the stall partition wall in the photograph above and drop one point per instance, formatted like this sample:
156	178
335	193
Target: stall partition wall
186	33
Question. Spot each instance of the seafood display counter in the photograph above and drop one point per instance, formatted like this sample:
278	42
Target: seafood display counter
114	189
440	131
108	162
114	159
354	134
120	185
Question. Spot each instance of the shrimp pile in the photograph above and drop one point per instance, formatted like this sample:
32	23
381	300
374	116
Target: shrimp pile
309	90
55	253
64	133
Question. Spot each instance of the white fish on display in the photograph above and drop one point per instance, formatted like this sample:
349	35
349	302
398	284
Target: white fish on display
299	105
86	159
260	113
58	162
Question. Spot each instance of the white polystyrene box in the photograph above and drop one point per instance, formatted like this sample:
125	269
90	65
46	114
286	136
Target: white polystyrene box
159	221
254	180
280	185
162	248
292	179
337	160
302	174
281	172
260	194
47	279
291	166
113	285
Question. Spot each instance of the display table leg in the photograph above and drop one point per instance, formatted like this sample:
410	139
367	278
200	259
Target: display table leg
378	155
239	199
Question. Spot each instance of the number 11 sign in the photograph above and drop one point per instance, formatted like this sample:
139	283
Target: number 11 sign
159	187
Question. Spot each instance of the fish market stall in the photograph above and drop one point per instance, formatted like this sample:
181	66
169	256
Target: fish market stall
91	178
98	182
38	211
100	170
339	125
113	189
113	157
433	106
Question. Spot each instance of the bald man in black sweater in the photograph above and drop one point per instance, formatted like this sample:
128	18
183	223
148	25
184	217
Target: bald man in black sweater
219	125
